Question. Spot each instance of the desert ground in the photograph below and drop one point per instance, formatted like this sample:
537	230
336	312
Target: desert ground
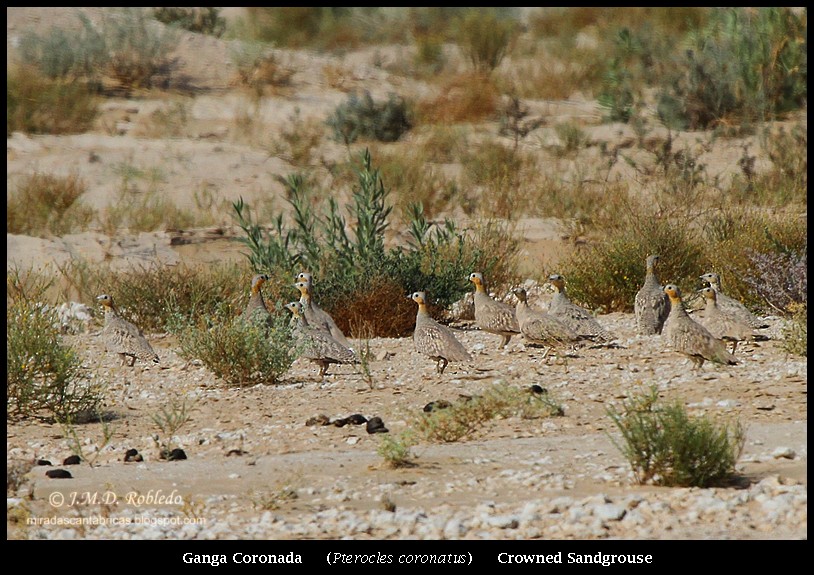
256	468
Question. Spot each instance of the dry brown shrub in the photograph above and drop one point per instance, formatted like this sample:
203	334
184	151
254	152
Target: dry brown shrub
464	98
383	309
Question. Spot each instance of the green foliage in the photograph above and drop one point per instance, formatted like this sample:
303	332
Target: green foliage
464	418
356	279
66	54
239	352
485	38
151	295
666	446
361	117
202	20
795	332
39	105
396	449
747	65
607	274
44	376
127	46
45	204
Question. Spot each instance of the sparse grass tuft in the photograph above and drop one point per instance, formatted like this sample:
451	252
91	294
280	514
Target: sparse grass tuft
465	418
45	204
361	117
169	419
234	350
44	378
463	98
38	105
665	446
795	332
396	450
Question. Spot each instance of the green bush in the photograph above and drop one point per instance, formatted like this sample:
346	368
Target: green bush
128	46
44	376
151	295
745	65
485	38
44	204
361	117
353	272
202	20
239	352
605	275
38	105
66	54
665	446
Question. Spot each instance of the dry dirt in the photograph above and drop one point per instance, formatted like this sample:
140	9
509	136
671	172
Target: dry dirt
256	470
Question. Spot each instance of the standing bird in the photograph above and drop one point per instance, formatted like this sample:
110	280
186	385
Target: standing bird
723	325
318	345
256	310
493	316
541	328
123	337
577	318
687	336
434	340
730	305
651	306
313	313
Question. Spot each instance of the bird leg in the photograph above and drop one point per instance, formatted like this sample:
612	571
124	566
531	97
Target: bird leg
441	365
504	341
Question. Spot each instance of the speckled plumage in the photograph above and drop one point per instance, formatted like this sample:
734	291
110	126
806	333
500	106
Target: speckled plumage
576	317
316	316
435	340
730	305
722	324
686	336
493	316
123	337
651	305
318	345
541	328
256	310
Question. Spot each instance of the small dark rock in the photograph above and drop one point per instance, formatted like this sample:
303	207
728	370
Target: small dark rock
235	452
132	455
342	422
72	460
58	474
43	462
376	425
177	454
357	419
537	389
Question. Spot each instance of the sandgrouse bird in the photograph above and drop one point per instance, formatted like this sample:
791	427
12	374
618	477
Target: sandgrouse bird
316	316
730	305
317	344
256	310
435	340
541	328
123	337
686	336
576	317
722	324
651	305
493	316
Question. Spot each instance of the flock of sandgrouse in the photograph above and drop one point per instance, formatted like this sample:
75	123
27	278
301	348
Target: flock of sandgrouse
701	335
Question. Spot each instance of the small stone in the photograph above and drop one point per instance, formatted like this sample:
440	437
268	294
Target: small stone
72	460
376	425
43	462
58	474
783	453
